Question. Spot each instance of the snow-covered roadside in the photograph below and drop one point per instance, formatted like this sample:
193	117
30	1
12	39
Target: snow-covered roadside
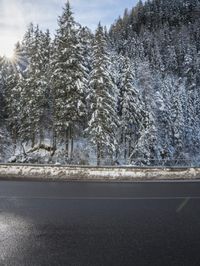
68	173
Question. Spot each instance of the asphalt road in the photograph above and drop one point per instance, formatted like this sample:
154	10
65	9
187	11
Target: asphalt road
89	224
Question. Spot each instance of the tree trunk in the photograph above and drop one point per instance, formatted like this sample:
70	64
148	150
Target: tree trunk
67	142
15	139
24	152
71	142
54	141
98	154
41	137
122	137
125	148
72	147
33	140
129	146
116	154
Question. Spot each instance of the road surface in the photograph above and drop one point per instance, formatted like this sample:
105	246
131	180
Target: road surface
83	224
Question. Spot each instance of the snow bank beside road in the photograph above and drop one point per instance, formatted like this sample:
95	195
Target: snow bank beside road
69	173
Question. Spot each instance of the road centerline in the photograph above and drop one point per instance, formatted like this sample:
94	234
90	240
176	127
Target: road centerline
185	198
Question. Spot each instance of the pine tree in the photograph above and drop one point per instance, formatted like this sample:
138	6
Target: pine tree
68	78
131	108
164	119
27	44
12	96
147	147
85	39
103	124
177	120
2	89
43	91
28	83
34	84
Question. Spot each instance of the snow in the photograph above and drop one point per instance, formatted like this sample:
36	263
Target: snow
126	93
67	173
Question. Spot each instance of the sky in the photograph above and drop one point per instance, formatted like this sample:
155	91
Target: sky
15	15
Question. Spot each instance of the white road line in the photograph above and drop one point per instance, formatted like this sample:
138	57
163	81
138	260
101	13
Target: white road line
101	198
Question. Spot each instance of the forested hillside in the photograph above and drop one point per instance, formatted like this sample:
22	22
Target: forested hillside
125	95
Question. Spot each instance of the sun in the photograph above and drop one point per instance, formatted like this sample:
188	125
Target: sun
7	51
7	44
14	56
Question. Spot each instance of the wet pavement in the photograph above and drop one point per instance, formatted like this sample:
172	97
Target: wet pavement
99	223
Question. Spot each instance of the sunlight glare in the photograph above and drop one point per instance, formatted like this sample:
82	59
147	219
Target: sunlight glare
12	26
7	49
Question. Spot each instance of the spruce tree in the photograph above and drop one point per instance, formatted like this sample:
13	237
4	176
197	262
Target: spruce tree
177	120
103	123
132	115
12	96
34	84
68	78
147	147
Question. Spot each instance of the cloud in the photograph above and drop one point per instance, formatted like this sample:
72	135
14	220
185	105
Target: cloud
45	12
15	15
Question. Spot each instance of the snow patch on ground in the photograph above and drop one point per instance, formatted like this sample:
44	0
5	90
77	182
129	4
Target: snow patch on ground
6	148
83	154
68	173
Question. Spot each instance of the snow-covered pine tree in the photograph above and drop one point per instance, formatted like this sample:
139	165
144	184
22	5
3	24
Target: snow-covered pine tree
2	89
34	85
43	91
147	147
164	119
12	97
132	115
5	141
145	151
69	79
8	96
85	40
27	44
177	120
192	98
28	83
103	124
